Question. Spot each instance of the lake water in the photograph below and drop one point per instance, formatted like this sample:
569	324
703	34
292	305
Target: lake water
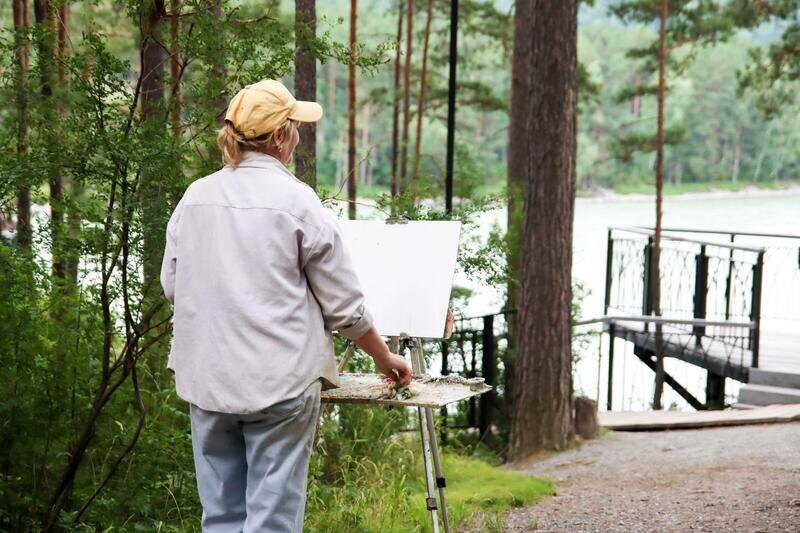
633	382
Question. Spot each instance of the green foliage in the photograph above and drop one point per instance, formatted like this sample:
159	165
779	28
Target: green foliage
384	489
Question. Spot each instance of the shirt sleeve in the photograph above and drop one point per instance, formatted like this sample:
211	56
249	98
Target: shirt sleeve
170	261
333	281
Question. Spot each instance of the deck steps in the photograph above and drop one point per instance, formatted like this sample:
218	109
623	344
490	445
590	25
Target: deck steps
772	378
756	394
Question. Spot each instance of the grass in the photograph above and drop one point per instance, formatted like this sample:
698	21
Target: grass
480	491
388	499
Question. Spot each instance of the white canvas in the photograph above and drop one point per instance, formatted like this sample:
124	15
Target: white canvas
406	272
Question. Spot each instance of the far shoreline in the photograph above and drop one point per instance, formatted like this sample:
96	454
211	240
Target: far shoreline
601	195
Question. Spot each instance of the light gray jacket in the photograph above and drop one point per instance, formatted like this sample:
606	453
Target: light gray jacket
259	276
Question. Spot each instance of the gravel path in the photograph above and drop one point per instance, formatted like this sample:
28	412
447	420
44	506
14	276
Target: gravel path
744	478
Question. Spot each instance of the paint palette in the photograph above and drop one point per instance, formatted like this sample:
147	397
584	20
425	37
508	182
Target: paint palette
426	391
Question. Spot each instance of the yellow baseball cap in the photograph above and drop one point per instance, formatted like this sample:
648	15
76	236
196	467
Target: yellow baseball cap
264	106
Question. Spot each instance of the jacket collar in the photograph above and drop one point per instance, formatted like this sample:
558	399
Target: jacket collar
251	159
258	160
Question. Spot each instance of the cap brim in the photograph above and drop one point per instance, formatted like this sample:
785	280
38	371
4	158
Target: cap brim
306	112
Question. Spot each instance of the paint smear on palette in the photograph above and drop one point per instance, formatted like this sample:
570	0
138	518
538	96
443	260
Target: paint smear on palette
424	391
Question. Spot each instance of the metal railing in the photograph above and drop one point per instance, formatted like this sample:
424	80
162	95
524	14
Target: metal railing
699	280
780	291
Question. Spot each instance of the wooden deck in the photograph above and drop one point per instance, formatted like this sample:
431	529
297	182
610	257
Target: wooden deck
780	351
665	420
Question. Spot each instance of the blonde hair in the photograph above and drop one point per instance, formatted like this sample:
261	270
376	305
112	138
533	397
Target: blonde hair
233	144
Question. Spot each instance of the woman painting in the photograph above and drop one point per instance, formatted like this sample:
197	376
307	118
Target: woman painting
259	277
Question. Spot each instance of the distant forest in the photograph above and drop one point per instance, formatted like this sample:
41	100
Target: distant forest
719	133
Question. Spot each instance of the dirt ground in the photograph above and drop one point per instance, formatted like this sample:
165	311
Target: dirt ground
744	478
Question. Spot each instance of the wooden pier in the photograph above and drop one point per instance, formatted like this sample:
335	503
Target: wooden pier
719	312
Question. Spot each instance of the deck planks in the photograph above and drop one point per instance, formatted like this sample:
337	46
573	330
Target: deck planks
666	420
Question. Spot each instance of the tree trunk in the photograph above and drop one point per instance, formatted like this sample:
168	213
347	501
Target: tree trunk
175	68
331	89
153	198
366	158
545	157
655	270
421	100
351	116
20	15
219	72
45	18
396	103
406	93
305	88
73	215
519	128
737	154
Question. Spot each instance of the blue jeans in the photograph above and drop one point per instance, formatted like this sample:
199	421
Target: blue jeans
252	469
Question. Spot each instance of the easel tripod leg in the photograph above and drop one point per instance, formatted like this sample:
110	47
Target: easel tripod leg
430	501
437	467
428	430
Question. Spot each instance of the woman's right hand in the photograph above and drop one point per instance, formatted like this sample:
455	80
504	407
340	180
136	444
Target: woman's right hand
396	367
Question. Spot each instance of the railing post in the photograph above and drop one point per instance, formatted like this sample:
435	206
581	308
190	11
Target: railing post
472	373
611	332
443	409
729	280
647	302
700	291
488	371
755	308
609	269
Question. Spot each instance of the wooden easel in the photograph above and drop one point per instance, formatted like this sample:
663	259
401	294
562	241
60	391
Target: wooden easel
427	430
430	448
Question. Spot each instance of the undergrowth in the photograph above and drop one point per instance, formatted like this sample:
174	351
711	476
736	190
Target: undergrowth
373	479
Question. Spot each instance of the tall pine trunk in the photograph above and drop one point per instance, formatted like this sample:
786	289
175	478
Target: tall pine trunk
517	174
20	15
351	115
75	189
406	93
421	100
655	258
46	50
545	157
175	68
154	206
366	160
395	189
305	88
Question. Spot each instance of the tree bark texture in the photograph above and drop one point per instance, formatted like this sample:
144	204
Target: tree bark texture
305	88
351	116
655	270
421	99
46	16
175	67
20	15
396	102
406	93
154	202
517	168
545	157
